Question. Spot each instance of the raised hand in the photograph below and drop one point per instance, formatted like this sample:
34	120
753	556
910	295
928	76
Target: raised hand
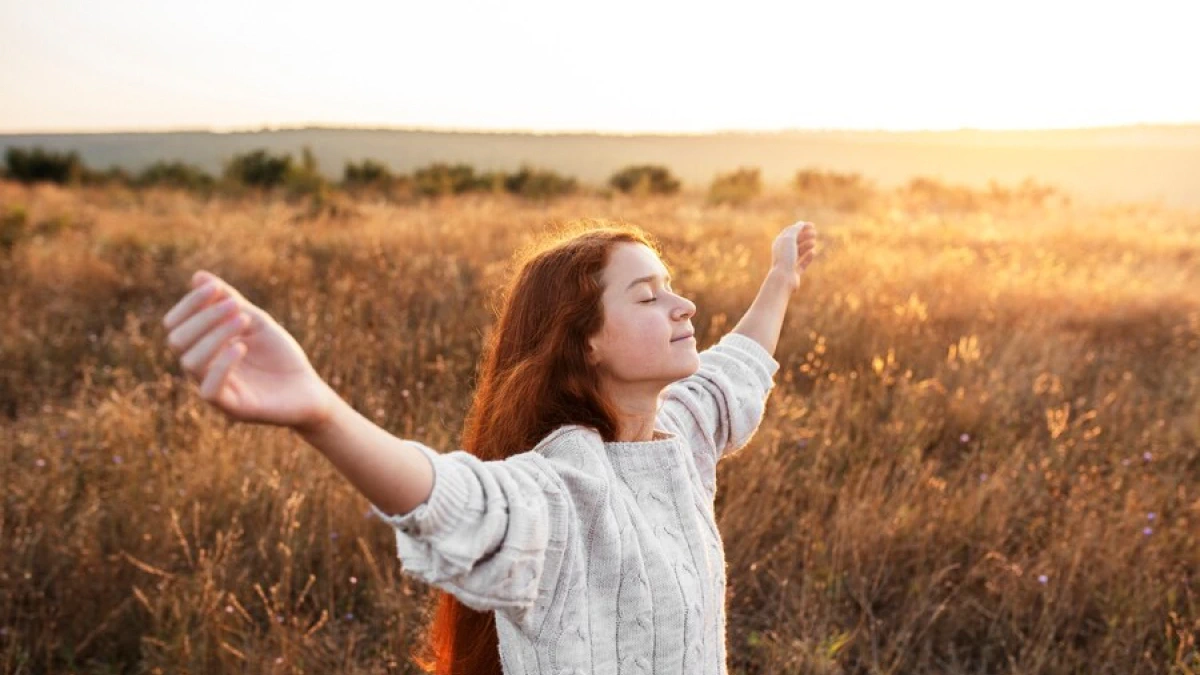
246	364
793	250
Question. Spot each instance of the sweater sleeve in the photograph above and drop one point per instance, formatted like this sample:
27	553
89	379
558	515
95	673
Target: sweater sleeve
719	407
492	533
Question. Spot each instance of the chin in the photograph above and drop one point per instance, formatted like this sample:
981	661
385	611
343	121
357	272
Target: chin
691	369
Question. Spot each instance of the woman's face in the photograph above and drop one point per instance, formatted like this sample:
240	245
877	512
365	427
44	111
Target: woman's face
643	318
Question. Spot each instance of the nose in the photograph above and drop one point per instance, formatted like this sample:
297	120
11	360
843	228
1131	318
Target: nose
685	309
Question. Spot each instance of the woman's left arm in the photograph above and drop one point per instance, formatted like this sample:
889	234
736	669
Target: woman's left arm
791	254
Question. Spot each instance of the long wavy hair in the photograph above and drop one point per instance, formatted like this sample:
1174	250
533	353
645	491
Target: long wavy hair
534	376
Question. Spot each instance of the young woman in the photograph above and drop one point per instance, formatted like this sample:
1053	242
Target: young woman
574	532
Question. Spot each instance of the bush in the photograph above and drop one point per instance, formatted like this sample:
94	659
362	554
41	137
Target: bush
926	192
533	183
306	179
843	191
644	179
176	175
38	165
368	173
736	187
258	169
492	181
440	178
112	176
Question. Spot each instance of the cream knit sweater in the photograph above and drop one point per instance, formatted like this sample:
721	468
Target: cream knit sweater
598	557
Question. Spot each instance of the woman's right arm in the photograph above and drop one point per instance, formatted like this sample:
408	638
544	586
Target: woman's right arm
492	533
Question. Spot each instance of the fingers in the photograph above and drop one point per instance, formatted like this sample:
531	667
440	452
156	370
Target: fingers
189	305
190	331
206	289
802	230
196	360
214	380
806	242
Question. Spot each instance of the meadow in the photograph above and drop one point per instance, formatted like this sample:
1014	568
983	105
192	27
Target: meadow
982	454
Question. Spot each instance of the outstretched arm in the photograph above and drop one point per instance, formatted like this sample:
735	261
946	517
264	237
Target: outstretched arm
719	407
791	253
492	533
390	472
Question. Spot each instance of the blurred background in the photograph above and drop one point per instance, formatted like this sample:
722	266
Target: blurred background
982	452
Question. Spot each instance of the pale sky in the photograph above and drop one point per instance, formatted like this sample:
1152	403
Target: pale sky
630	66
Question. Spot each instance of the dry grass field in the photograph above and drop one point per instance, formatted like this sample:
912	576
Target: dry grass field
982	454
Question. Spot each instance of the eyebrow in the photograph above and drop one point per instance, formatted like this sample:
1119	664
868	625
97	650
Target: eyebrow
642	280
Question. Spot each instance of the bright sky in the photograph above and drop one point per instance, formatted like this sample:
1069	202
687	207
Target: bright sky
615	66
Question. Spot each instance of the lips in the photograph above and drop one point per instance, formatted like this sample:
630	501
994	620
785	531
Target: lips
682	337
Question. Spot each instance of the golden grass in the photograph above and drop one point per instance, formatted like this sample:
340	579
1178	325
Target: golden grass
982	454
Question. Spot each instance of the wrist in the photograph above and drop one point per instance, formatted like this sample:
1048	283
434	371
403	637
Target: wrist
783	277
322	416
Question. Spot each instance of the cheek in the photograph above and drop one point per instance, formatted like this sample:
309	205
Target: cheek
642	330
638	340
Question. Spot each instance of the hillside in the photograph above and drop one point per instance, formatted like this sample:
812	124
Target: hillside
1144	163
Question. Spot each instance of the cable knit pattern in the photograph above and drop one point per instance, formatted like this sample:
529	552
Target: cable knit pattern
598	557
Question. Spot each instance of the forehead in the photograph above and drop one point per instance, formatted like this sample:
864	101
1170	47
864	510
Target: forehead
630	260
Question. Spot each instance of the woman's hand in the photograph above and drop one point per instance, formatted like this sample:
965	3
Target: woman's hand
793	250
247	365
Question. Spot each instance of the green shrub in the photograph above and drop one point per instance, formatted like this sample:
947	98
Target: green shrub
735	187
367	173
177	175
441	178
534	183
492	181
306	179
39	165
112	176
644	179
258	168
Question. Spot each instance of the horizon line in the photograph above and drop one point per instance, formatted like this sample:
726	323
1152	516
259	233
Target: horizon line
268	128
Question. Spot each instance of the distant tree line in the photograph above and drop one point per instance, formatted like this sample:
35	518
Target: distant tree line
264	171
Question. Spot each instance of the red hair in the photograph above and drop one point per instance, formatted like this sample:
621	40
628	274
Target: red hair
534	377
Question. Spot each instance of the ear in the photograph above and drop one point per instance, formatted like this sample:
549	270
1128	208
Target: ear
591	352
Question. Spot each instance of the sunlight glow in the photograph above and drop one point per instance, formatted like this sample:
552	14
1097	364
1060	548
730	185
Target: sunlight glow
620	66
